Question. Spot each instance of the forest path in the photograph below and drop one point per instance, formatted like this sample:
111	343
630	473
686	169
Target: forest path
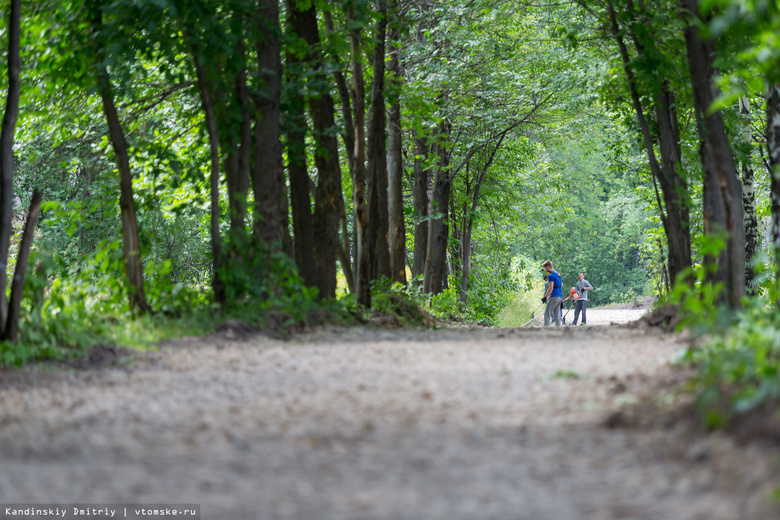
379	424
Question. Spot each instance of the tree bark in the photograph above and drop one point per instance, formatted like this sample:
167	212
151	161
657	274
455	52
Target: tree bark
244	158
377	158
748	200
363	262
207	102
303	223
421	182
346	263
131	242
7	150
726	213
348	135
673	186
395	202
750	223
773	151
438	231
673	211
270	208
328	201
17	288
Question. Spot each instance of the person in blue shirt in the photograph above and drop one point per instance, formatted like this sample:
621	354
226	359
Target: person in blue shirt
553	297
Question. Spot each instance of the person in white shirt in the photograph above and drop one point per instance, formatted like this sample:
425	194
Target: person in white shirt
583	287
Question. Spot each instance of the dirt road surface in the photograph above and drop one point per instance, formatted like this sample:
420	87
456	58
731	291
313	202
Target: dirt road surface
381	424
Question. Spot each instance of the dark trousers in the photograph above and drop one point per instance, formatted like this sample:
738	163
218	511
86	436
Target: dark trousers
580	306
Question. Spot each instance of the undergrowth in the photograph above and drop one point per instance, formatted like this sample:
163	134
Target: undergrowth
736	353
68	308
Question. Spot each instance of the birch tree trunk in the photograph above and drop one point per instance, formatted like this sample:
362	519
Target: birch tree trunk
750	221
773	149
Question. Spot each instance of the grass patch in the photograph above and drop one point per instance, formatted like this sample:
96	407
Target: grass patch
565	374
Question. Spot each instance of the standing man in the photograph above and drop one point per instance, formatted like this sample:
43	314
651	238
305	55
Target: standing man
583	287
553	296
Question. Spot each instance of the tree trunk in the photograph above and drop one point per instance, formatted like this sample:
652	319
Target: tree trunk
773	150
363	275
244	159
455	249
726	213
465	248
346	263
328	201
377	159
420	195
211	125
23	258
673	211
438	232
748	201
673	186
270	209
469	220
750	223
7	151
397	231
132	246
348	136
295	118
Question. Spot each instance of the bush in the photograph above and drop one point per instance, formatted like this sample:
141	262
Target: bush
737	354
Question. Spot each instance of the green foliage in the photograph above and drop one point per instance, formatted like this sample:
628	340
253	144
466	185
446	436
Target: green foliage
486	299
261	280
738	368
405	301
737	353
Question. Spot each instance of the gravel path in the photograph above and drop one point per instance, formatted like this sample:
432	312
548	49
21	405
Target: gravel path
362	424
597	316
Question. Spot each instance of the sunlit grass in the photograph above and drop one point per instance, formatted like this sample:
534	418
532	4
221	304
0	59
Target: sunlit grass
146	332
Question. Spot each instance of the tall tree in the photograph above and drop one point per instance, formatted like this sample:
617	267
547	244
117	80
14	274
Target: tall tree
268	185
132	245
297	128
395	202
378	226
674	210
773	147
421	181
328	203
748	196
7	151
363	253
723	190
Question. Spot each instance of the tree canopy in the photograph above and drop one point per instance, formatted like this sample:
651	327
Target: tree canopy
249	157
